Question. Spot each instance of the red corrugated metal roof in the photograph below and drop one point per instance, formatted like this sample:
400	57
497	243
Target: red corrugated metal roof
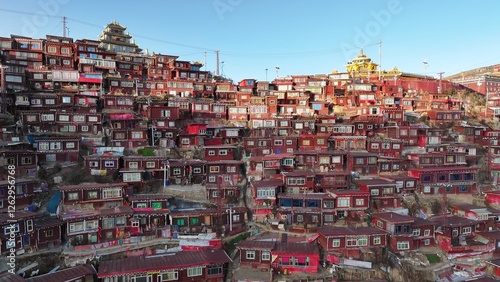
255	245
267	183
297	248
178	260
329	231
91	186
393	217
9	277
66	274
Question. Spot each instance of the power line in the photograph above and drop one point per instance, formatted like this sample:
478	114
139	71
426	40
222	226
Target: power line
226	53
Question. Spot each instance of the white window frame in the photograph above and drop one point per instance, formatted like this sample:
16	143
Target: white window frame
467	230
336	243
29	225
170	275
266	255
403	245
343	202
250	255
416	232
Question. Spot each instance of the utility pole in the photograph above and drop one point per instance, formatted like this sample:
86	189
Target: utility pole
64	26
379	59
2	88
217	62
205	63
440	79
219	207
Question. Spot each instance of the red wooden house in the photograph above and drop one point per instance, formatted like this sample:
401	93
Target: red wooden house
433	159
284	144
129	138
394	114
423	233
404	184
203	110
224	134
363	163
60	149
406	233
255	169
296	258
202	265
193	135
406	132
284	127
25	161
59	52
456	234
382	193
257	146
23	197
230	170
300	212
183	104
304	125
264	194
450	179
237	113
201	220
85	121
104	164
313	142
263	123
151	214
105	225
486	218
137	168
162	113
186	172
445	115
348	142
94	195
220	152
17	231
349	242
332	181
299	182
385	147
256	254
322	160
47	232
430	136
273	164
347	204
226	192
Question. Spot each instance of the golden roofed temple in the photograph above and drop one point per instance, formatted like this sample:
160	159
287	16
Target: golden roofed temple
361	63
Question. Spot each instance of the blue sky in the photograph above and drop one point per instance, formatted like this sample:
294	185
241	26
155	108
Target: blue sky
301	37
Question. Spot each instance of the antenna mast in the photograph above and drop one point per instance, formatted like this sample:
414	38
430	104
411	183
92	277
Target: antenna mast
64	26
205	63
217	63
379	59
